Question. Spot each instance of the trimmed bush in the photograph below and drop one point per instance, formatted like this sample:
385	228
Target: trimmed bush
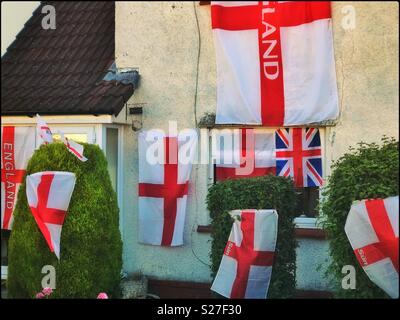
269	192
91	247
370	171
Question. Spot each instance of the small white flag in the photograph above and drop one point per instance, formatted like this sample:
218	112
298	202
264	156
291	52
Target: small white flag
43	130
75	148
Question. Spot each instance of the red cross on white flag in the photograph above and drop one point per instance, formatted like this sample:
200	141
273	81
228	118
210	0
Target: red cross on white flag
243	153
75	148
275	62
372	227
163	187
246	266
17	146
49	194
43	130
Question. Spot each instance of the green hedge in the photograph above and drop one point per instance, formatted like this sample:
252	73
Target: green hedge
91	247
370	171
269	192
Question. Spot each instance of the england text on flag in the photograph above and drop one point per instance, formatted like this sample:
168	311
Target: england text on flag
163	187
299	155
49	194
372	228
246	265
17	146
275	62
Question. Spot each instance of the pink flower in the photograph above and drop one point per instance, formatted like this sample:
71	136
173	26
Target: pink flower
102	295
40	295
47	291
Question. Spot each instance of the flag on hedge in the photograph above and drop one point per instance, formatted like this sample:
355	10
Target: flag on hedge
17	146
49	194
163	186
246	265
75	148
299	155
275	62
372	227
43	130
243	153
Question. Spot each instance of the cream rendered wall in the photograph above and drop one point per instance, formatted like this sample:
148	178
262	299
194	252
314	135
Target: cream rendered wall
161	39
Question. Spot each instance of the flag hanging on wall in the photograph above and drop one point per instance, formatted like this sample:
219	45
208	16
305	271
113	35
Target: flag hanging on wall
43	130
299	155
246	265
275	62
243	153
163	185
372	227
17	146
49	194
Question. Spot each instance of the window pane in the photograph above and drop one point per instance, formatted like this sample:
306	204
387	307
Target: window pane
307	201
112	155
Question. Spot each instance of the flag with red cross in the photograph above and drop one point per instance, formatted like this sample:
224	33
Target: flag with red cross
246	265
49	194
165	164
372	227
275	62
17	146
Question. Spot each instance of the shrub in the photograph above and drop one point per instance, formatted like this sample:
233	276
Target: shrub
91	247
267	192
370	171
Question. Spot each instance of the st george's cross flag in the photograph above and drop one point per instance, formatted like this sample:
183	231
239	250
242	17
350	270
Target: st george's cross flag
43	130
17	146
372	228
75	148
246	265
243	153
49	194
275	62
299	156
165	164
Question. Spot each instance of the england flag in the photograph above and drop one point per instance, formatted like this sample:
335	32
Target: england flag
246	265
372	227
49	194
275	62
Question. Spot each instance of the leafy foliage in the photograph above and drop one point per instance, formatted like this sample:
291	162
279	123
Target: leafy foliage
269	192
91	247
368	172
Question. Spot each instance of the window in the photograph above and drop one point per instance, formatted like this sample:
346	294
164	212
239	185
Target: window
112	155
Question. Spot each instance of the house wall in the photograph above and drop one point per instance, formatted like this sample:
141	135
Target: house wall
161	40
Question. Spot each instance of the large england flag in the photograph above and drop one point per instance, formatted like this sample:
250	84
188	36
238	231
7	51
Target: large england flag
49	194
246	265
17	146
275	62
372	227
165	164
243	153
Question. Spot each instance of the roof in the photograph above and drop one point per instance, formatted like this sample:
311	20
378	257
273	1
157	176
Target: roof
61	71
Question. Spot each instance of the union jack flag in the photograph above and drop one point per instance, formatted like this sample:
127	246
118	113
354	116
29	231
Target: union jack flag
298	155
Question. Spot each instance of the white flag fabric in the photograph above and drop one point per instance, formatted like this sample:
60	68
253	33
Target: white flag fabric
372	228
243	153
17	147
246	266
49	194
75	148
163	185
275	62
43	130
